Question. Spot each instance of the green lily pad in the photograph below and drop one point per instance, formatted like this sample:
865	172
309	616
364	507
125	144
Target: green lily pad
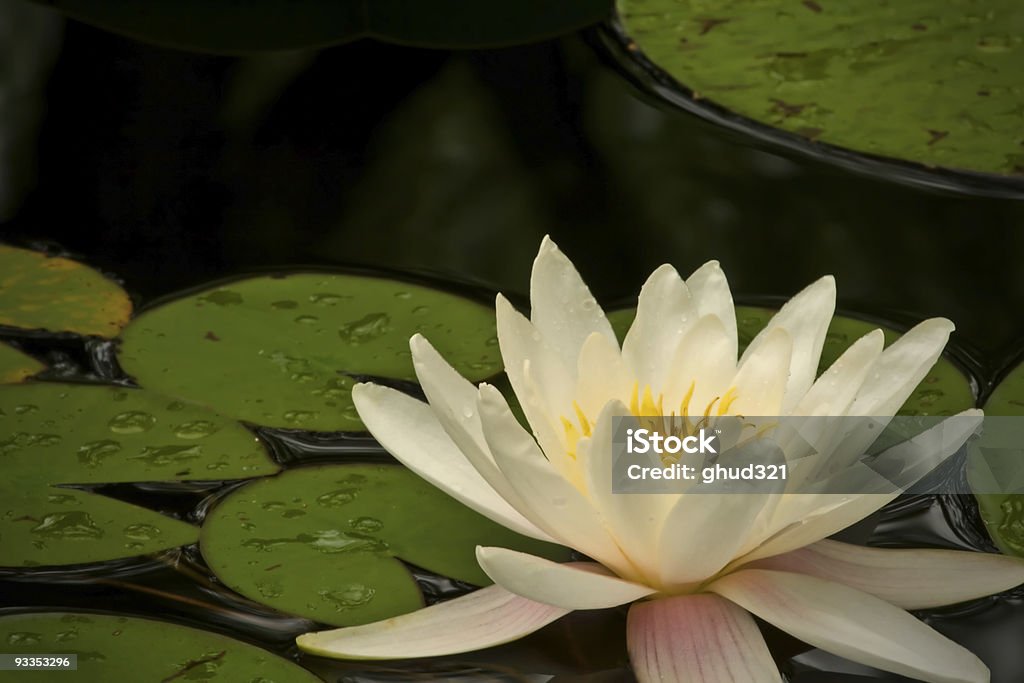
118	648
990	470
53	434
15	365
322	542
945	391
60	295
934	85
281	351
258	25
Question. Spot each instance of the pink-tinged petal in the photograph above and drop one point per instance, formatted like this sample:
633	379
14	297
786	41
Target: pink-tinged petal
911	579
805	318
553	503
484	618
901	367
562	307
664	313
409	430
572	585
851	624
697	639
709	291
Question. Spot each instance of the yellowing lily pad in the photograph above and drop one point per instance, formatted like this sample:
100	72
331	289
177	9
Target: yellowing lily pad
285	351
59	434
937	85
118	648
323	542
1002	513
15	365
59	295
945	391
257	25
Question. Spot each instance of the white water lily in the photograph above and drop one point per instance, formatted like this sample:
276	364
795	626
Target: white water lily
695	567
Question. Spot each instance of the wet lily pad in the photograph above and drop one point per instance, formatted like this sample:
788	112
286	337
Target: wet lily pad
945	391
230	27
54	434
15	365
119	648
59	295
285	351
322	542
905	81
1000	469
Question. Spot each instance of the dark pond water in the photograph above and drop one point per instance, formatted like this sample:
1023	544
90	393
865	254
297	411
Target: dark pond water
171	169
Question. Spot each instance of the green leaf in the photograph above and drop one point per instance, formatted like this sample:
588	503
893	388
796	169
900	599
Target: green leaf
15	365
118	648
56	294
227	26
901	80
283	351
54	434
991	470
322	542
945	391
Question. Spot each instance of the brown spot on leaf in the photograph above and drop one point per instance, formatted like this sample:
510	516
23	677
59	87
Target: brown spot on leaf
707	24
813	6
936	135
211	336
919	27
786	109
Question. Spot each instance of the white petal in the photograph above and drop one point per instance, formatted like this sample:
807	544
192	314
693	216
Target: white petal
409	430
911	579
453	401
634	519
837	387
521	343
705	361
763	375
602	375
805	317
663	314
851	624
572	585
553	503
710	293
562	308
484	618
697	639
901	368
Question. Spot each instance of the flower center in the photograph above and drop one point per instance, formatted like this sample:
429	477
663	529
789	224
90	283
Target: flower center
650	411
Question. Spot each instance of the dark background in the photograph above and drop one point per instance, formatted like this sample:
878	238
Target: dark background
168	168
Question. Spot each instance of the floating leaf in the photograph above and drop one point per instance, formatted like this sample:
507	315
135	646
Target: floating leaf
285	351
15	365
56	294
893	80
230	27
117	648
945	391
322	542
991	469
53	434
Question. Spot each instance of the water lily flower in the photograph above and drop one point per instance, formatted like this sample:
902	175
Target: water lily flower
694	567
